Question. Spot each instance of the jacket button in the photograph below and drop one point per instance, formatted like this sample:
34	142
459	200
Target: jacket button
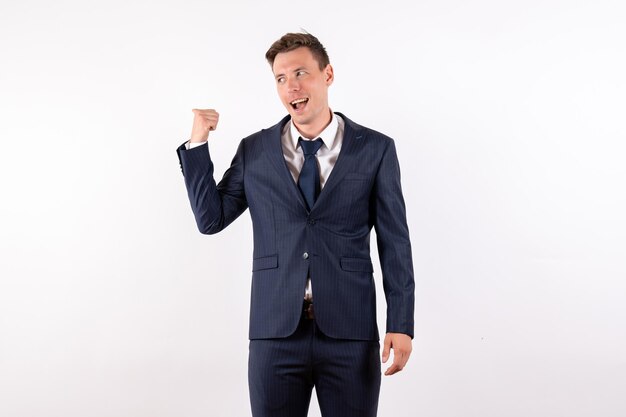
311	222
305	255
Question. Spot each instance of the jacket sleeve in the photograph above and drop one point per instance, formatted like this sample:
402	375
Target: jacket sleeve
394	246
214	206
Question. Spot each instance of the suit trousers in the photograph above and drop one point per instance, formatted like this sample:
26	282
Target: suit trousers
282	373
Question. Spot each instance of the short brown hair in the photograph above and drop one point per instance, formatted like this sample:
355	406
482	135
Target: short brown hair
291	41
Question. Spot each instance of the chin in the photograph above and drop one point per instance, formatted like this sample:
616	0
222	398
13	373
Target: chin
300	119
295	116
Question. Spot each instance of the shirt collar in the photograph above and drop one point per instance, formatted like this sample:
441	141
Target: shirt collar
328	134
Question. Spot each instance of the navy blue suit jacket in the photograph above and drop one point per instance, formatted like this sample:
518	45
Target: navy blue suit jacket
331	242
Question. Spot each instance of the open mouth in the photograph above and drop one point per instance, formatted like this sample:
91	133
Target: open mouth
299	104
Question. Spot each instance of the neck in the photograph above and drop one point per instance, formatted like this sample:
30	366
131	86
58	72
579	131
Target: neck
313	130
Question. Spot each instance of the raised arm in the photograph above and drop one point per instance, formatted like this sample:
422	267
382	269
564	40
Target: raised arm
214	206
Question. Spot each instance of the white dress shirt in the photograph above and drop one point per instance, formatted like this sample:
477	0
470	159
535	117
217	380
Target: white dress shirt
332	136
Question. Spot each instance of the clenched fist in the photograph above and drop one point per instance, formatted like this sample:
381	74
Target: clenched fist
203	122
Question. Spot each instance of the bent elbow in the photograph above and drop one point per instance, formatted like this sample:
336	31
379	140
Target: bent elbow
209	228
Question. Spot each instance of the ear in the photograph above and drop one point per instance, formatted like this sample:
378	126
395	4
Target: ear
329	74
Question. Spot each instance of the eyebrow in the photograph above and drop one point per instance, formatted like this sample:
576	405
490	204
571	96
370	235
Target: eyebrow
296	70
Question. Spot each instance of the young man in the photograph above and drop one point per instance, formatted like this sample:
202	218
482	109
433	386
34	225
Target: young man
315	183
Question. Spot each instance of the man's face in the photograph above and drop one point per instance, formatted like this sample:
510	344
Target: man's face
303	87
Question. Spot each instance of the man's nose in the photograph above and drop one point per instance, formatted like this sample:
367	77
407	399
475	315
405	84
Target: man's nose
293	84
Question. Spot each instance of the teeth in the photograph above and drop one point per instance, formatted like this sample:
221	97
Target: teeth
300	100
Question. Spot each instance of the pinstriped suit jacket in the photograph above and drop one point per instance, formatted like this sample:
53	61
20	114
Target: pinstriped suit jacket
331	242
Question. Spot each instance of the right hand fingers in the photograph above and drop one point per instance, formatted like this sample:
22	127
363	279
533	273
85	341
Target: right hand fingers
204	121
386	348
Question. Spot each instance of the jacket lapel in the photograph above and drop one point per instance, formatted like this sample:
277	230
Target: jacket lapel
352	137
274	149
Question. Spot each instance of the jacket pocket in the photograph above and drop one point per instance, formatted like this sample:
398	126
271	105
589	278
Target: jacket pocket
356	264
265	262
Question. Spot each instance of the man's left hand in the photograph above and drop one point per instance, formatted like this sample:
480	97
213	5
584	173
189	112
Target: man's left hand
401	345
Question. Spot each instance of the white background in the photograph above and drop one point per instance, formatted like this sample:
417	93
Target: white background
509	122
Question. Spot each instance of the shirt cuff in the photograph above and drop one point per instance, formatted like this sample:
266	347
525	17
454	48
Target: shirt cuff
190	145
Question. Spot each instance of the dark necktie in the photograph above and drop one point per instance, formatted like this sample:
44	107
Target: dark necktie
309	179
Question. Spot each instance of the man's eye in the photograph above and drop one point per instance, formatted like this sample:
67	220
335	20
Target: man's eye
280	80
299	73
